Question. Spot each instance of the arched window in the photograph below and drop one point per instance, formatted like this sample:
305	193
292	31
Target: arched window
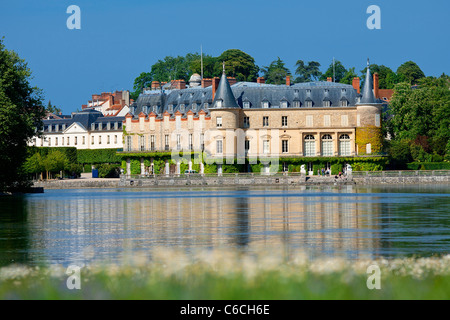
344	145
310	146
327	145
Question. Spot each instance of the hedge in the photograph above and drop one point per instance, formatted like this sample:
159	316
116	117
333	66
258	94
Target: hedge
429	166
70	153
97	156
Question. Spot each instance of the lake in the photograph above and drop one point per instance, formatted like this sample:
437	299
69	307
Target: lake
109	225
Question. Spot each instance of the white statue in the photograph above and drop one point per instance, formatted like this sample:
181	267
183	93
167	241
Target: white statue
349	168
302	169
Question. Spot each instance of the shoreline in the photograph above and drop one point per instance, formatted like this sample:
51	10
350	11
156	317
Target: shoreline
214	181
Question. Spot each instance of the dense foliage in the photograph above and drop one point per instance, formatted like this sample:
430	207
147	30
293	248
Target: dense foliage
21	111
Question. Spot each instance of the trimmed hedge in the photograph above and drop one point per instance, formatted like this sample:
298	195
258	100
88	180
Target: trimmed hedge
429	166
96	156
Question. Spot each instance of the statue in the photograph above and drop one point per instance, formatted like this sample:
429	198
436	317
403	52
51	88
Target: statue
349	169
302	169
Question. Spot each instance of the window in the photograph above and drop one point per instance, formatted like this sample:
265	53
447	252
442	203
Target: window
266	146
76	140
265	104
308	91
99	139
265	121
170	108
343	91
344	120
284	121
344	103
247	145
206	105
68	141
377	120
152	142
246	105
309	121
62	141
129	146
219	146
194	107
49	141
141	143
246	122
166	142
84	140
344	145
182	108
191	142
296	104
326	103
202	141
219	103
310	146
178	141
219	122
56	141
284	146
284	104
309	103
115	139
108	140
327	145
327	120
92	140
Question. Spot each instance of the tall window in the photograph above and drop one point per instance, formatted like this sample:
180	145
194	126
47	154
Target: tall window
284	146
84	140
115	139
166	142
191	142
219	147
266	146
327	145
344	145
76	140
152	142
219	122
141	143
99	139
247	145
284	121
49	141
246	122
202	141
92	140
265	121
129	146
178	141
68	141
56	141
310	146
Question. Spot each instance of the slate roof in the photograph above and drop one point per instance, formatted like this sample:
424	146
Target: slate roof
86	118
252	93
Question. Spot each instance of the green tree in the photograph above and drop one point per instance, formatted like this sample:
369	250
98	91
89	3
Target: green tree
307	72
238	64
21	111
53	109
143	80
55	162
209	64
339	71
276	72
387	78
410	72
34	165
348	76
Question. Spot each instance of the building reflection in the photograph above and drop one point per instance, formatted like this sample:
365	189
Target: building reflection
330	222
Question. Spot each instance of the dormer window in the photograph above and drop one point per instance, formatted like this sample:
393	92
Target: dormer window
308	103
344	103
170	108
206	105
326	103
93	126
265	104
246	105
326	91
194	107
308	91
284	104
343	91
296	104
182	108
219	103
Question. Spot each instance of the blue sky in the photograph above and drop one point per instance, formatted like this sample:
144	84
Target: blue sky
120	39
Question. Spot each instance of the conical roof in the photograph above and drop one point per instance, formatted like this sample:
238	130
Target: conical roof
225	94
367	94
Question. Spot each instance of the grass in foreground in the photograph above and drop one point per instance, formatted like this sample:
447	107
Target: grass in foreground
230	275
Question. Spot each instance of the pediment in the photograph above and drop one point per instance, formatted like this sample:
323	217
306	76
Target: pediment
75	127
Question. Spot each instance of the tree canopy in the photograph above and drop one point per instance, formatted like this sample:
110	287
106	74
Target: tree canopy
21	112
307	72
276	72
339	72
410	72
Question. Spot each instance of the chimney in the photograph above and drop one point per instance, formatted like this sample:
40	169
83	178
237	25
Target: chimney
330	79
261	80
376	85
215	84
356	84
155	85
206	82
288	81
231	80
180	84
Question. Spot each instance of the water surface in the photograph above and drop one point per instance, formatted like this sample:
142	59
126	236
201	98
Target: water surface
106	225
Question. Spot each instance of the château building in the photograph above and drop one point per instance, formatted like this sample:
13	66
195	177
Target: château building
242	120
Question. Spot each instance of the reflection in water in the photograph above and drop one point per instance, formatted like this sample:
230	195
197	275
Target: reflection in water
74	226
